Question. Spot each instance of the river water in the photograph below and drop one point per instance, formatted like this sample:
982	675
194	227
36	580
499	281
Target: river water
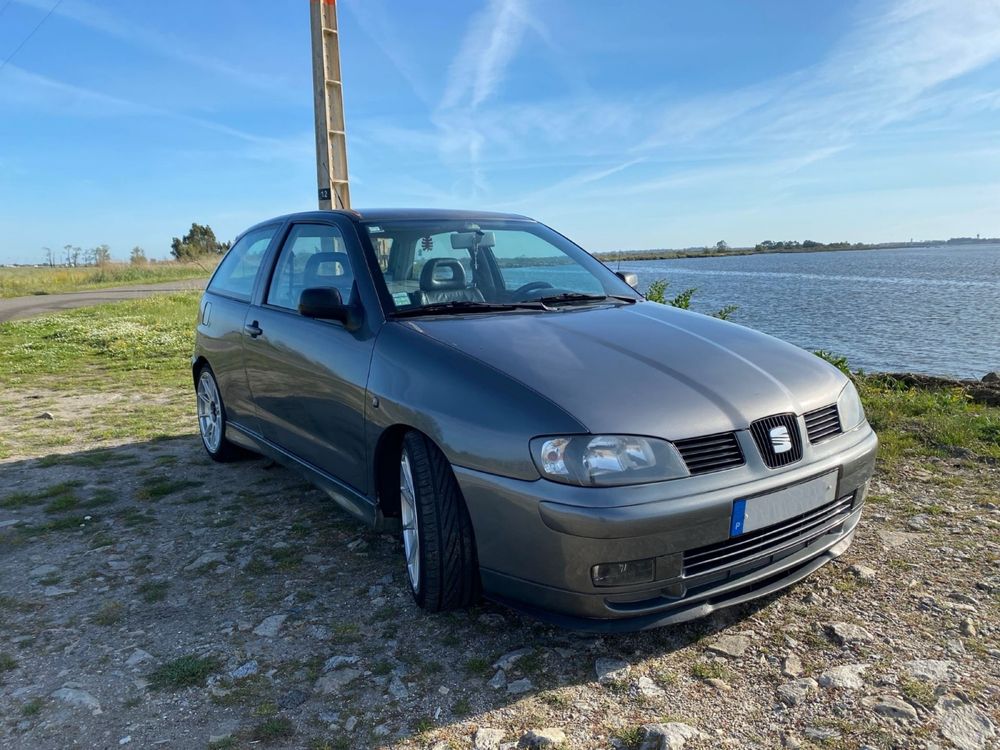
931	309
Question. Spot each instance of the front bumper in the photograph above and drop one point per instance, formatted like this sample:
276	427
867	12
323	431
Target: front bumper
537	540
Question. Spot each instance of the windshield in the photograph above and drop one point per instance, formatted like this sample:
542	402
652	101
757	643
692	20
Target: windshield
463	266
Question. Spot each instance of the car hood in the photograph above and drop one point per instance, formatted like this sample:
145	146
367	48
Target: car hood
645	369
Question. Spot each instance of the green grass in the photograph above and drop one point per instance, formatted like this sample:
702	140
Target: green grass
153	591
62	494
22	282
272	730
709	670
32	707
914	422
7	663
109	613
187	671
135	343
157	488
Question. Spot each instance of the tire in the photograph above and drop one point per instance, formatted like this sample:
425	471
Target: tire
445	575
212	419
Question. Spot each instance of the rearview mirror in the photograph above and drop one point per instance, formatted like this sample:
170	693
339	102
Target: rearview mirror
325	303
630	278
467	240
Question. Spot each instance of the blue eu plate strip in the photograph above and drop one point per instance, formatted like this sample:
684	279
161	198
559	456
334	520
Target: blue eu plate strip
739	513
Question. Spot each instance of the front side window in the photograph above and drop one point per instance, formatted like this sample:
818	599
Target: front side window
314	255
489	263
238	270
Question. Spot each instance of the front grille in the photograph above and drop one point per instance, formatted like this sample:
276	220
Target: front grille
822	423
780	430
760	546
711	453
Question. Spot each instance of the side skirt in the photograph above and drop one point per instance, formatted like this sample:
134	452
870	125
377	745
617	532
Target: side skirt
358	505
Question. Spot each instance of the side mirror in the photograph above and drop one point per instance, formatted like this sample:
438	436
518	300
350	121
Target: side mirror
630	278
325	303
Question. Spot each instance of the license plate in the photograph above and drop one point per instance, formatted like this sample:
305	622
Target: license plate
750	514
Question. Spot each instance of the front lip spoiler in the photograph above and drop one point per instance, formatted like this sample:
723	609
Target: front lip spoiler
753	590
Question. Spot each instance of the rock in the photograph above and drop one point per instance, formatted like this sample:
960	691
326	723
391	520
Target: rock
9	523
790	741
352	721
791	666
731	645
650	689
334	682
610	670
206	559
498	680
42	571
292	699
542	738
45	415
519	686
138	657
670	736
508	660
894	708
336	662
963	724
991	377
968	628
795	692
244	670
893	539
822	734
224	732
397	689
929	670
125	740
844	677
721	685
846	634
270	626
79	698
53	592
863	572
487	739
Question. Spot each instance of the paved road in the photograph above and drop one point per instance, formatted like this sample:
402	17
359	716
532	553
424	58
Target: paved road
25	307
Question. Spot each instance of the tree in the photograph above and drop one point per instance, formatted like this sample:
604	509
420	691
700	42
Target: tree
100	255
137	257
200	240
721	246
72	255
50	257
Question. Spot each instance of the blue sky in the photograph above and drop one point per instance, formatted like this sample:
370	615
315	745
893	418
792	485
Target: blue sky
625	125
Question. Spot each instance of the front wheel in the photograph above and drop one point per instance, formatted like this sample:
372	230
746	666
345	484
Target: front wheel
212	419
438	540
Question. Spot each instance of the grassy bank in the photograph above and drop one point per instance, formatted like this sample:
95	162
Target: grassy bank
143	346
22	282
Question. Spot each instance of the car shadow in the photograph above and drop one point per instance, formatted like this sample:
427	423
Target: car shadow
301	613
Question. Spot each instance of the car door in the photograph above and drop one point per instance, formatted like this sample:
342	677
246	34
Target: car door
221	318
308	377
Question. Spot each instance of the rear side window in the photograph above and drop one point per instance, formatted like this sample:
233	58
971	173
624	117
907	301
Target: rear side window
238	270
314	255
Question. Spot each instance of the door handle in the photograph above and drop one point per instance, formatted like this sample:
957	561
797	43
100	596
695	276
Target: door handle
253	330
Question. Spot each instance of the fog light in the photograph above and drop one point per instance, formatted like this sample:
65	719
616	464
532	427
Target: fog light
623	573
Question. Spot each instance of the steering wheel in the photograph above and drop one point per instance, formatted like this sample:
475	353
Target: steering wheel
530	287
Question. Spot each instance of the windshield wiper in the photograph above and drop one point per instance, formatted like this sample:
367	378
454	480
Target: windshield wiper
580	297
467	306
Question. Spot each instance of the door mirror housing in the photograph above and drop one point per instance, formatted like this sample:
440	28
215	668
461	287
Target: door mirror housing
630	278
325	303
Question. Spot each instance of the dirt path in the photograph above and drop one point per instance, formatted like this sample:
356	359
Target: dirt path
151	598
15	308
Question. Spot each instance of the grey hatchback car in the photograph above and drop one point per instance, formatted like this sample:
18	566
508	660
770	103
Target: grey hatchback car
531	427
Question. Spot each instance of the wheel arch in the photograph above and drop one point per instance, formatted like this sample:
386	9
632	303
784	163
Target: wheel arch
197	366
385	468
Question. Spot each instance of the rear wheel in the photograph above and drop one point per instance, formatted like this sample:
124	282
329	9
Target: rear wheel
212	418
438	541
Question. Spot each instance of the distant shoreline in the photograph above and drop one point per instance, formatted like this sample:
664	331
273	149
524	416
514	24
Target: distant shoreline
627	255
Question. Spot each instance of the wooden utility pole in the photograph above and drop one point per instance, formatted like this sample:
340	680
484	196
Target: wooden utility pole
328	90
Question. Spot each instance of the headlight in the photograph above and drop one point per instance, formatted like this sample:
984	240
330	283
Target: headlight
852	413
606	460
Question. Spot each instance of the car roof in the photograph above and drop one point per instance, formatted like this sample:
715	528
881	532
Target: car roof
401	214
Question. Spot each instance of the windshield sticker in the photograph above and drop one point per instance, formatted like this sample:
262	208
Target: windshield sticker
374	230
401	298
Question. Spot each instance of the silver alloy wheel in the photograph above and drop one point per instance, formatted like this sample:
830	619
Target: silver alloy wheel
408	511
209	412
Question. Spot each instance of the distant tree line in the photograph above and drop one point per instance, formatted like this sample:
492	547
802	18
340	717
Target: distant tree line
199	241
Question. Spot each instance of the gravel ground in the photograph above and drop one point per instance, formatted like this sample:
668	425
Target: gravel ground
150	598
